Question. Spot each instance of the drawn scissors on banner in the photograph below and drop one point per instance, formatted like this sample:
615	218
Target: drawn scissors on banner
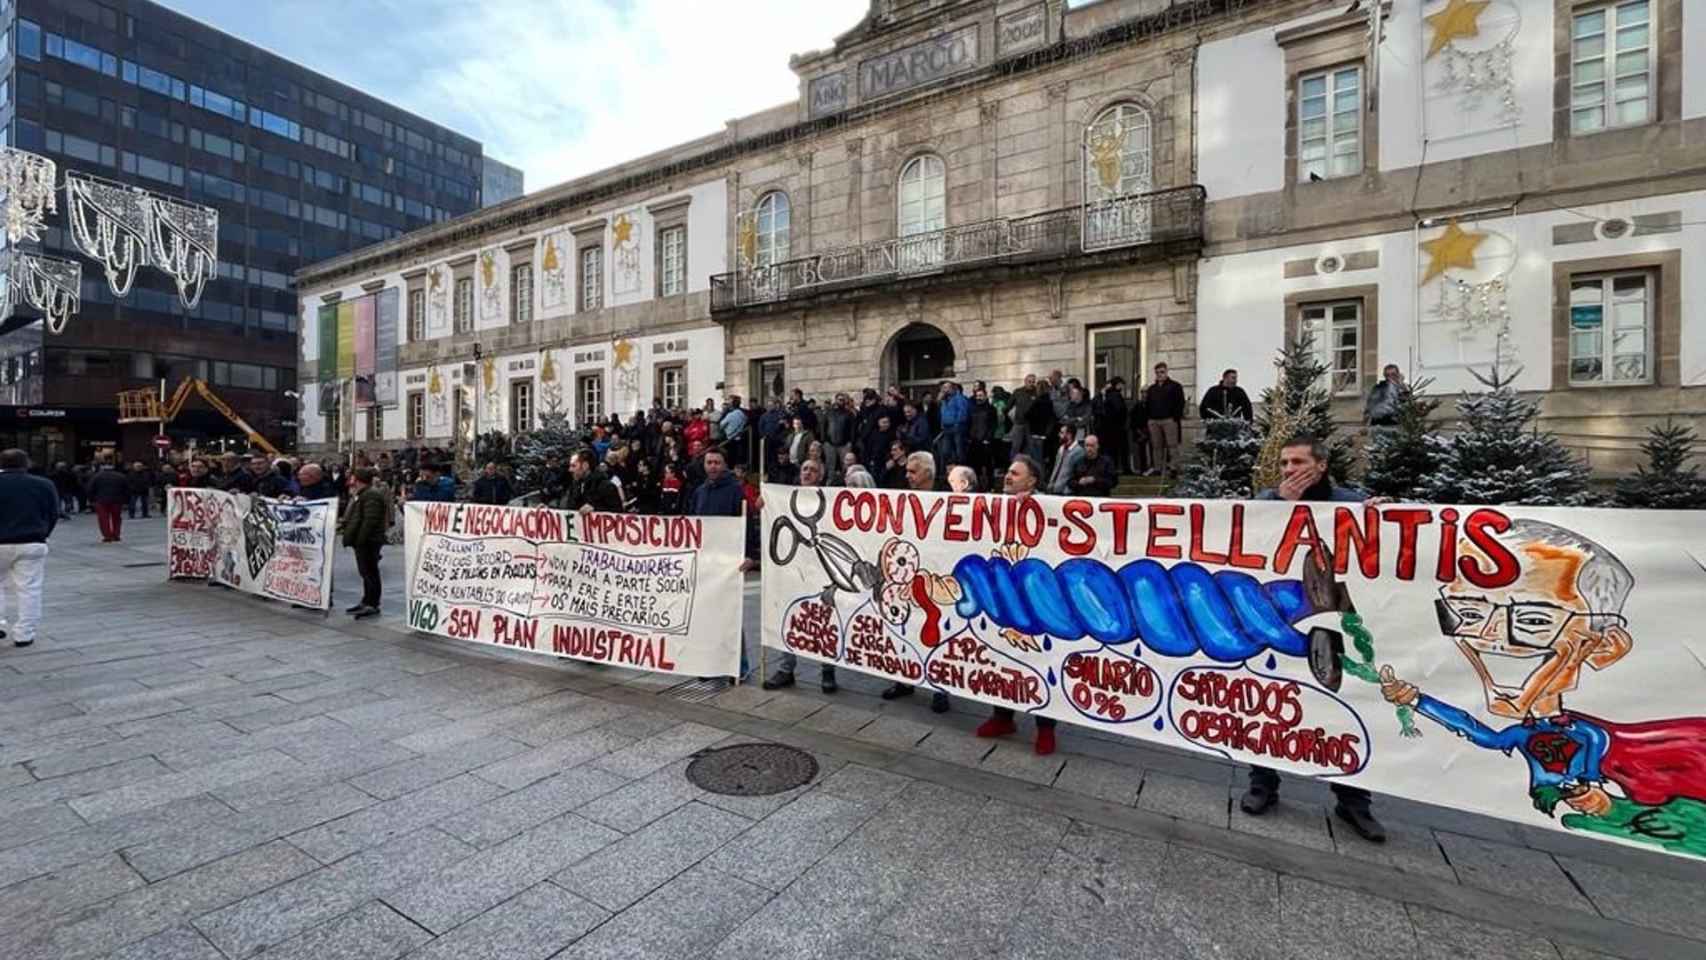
846	570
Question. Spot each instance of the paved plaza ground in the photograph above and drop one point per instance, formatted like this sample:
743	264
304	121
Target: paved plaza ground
190	773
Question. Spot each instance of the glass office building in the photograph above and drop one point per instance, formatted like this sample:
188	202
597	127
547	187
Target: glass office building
300	167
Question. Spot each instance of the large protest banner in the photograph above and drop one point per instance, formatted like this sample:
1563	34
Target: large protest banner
271	548
656	593
1540	665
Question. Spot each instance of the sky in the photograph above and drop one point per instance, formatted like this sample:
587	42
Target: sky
559	88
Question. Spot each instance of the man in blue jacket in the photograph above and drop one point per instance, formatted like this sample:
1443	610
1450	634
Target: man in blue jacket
721	496
29	508
956	414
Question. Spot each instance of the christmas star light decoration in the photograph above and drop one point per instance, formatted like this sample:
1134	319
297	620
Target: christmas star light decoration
1460	18
624	352
1453	249
623	229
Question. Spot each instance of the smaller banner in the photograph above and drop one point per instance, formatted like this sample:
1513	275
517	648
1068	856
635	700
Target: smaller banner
364	335
385	348
270	548
328	342
649	592
346	340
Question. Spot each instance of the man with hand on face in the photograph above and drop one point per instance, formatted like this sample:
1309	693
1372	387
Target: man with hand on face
1021	481
589	489
811	475
1304	479
920	476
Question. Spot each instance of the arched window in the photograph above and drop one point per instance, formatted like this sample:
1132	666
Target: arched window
1116	153
922	194
770	229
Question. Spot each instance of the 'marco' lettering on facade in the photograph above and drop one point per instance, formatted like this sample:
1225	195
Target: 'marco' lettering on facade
918	64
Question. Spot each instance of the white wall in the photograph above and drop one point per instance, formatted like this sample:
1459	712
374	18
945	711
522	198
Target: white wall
1241	297
1694	58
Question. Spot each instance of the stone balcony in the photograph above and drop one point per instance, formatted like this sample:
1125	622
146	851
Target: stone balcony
1148	227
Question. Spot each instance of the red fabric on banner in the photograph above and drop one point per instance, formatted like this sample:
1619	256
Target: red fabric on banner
1655	761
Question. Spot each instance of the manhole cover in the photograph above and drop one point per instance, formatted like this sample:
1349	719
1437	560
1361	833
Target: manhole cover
752	769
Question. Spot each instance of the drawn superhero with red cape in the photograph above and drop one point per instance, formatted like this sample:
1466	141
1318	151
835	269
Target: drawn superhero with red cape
1527	643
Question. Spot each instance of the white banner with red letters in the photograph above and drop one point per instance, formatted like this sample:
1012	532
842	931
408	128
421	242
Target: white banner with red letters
283	549
1542	665
649	592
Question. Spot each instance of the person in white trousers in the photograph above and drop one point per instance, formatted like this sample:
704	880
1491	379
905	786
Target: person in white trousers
29	508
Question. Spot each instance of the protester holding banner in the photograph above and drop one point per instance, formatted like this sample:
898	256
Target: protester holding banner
721	496
811	475
364	532
920	470
1304	477
1020	482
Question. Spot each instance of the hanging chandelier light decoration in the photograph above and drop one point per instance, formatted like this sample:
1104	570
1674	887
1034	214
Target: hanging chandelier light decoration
49	284
125	228
29	183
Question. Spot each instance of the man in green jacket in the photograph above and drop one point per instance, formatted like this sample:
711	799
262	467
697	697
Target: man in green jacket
364	532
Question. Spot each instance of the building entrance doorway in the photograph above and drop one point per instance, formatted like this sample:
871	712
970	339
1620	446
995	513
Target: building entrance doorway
917	359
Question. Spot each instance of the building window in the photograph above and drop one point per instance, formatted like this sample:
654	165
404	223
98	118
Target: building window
1117	152
375	423
520	406
1335	334
589	398
335	421
592	278
464	308
417	415
672	261
1329	124
922	192
417	316
521	293
1611	325
1611	67
671	385
771	221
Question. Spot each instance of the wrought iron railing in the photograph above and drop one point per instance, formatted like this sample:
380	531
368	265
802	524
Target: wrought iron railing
1162	218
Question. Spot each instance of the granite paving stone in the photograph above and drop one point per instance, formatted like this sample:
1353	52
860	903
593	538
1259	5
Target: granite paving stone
1289	821
460	892
275	915
955	746
1017	758
1641	898
394	780
1445	936
641	802
838	720
82	784
1206	905
865	785
787	708
318	773
532	925
157	790
1319	922
1409	847
536	764
13	774
1512	871
177	943
500	819
1093	899
37	822
372	932
896	733
34	900
684	918
784	845
626	871
162	858
335	839
1113	782
655	752
87	843
742	699
1184	798
105	926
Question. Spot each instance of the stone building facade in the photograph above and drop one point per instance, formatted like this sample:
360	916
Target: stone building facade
1519	182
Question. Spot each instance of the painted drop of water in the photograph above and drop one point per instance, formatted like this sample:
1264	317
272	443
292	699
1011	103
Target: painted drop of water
1048	644
1051	676
1272	663
1160	724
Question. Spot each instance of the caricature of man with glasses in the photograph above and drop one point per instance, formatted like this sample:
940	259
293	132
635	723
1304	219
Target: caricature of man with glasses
1527	643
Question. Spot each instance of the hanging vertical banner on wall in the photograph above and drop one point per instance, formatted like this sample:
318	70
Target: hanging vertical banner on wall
269	548
328	342
385	347
346	340
1534	664
364	335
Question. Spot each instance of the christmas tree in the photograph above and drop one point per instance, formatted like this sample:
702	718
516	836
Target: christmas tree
1221	463
1500	456
1402	456
1667	482
551	438
1297	403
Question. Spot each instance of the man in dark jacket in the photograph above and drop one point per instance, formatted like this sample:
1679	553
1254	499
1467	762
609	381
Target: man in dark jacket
1226	399
1304	479
69	489
432	486
109	490
1110	424
876	444
1164	402
364	532
29	509
140	482
838	425
589	489
492	487
312	484
1094	474
980	435
721	496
